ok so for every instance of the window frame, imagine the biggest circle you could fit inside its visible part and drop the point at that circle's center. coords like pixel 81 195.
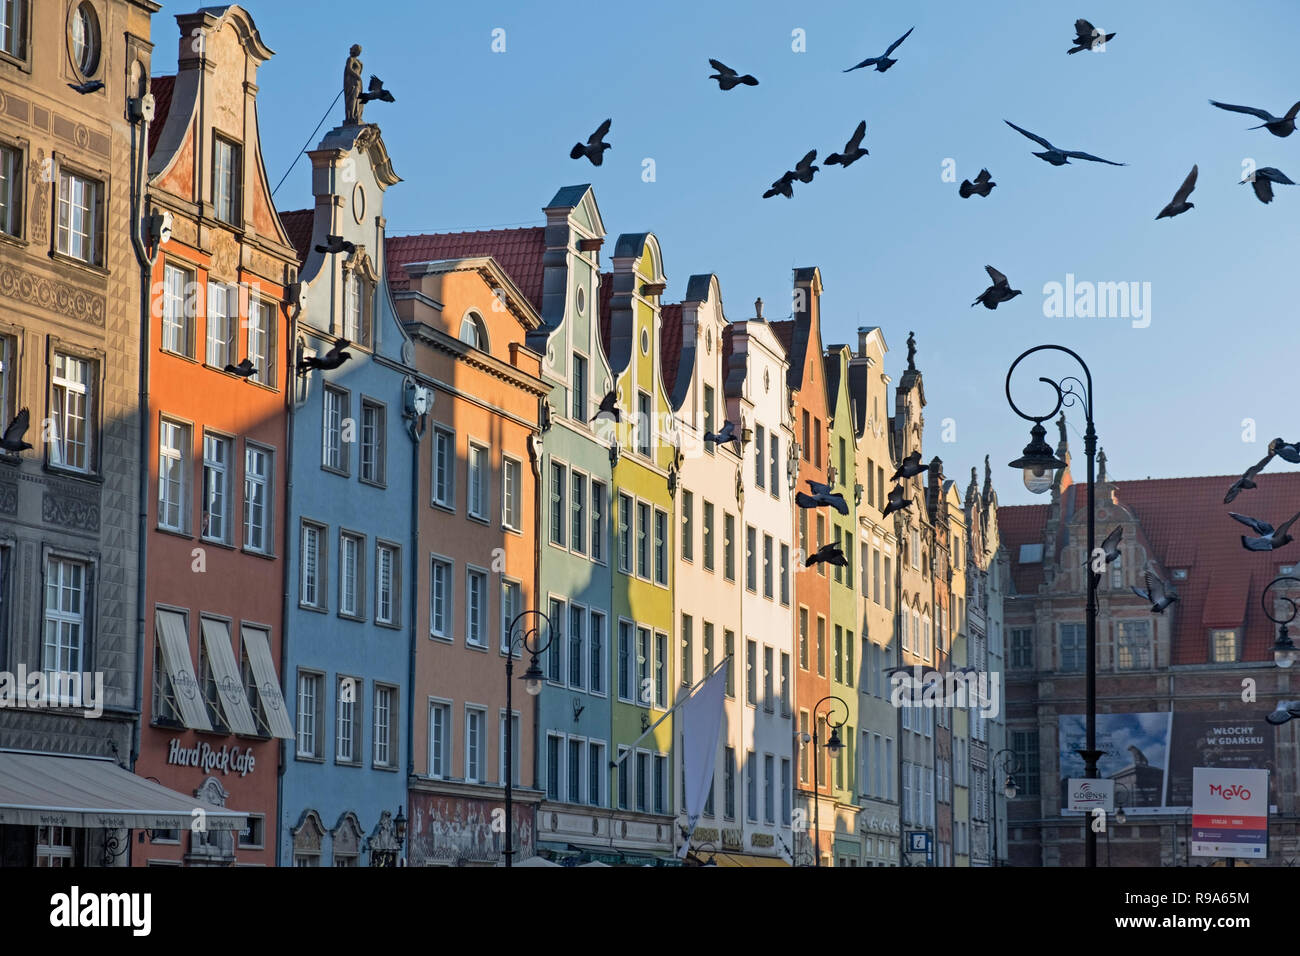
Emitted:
pixel 379 477
pixel 234 216
pixel 185 467
pixel 96 212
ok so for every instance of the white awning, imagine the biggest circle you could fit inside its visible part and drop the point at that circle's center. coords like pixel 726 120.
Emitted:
pixel 268 683
pixel 230 689
pixel 175 644
pixel 39 789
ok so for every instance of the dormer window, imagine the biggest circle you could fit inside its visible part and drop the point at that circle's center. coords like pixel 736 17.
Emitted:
pixel 359 282
pixel 227 166
pixel 473 331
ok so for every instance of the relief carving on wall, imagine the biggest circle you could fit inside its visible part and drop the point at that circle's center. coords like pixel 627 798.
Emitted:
pixel 51 295
pixel 8 498
pixel 39 171
pixel 70 512
pixel 225 256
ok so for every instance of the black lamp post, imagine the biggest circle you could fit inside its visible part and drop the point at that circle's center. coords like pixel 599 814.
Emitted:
pixel 1120 816
pixel 1005 762
pixel 526 635
pixel 1038 464
pixel 1284 650
pixel 833 746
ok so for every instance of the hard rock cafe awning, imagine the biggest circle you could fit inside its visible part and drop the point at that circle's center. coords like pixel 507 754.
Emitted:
pixel 38 789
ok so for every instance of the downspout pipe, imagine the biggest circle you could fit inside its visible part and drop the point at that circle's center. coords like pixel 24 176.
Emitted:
pixel 291 397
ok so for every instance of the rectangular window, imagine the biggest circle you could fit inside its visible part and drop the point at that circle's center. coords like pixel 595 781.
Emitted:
pixel 262 315
pixel 625 533
pixel 173 475
pixel 578 512
pixel 440 598
pixel 559 517
pixel 661 670
pixel 597 520
pixel 1132 645
pixel 803 747
pixel 708 536
pixel 66 600
pixel 475 745
pixel 688 626
pixel 875 575
pixel 554 745
pixel 11 163
pixel 644 424
pixel 729 546
pixel 81 218
pixel 259 468
pixel 346 749
pixel 513 749
pixel 751 558
pixel 475 608
pixel 309 715
pixel 624 661
pixel 216 489
pixel 768 546
pixel 439 740
pixel 769 788
pixel 596 653
pixel 729 783
pixel 1022 647
pixel 595 773
pixel 577 628
pixel 660 783
pixel 769 676
pixel 817 443
pixel 751 787
pixel 785 684
pixel 785 791
pixel 661 547
pixel 478 470
pixel 785 575
pixel 838 666
pixel 385 743
pixel 803 531
pixel 642 781
pixel 1225 646
pixel 227 173
pixel 555 654
pixel 729 649
pixel 708 647
pixel 388 579
pixel 1024 744
pixel 511 491
pixel 708 417
pixel 688 526
pixel 223 316
pixel 1074 647
pixel 177 313
pixel 351 601
pixel 576 764
pixel 444 468
pixel 760 467
pixel 642 540
pixel 372 442
pixel 578 388
pixel 751 675
pixel 334 411
pixel 848 658
pixel 624 770
pixel 889 591
pixel 821 646
pixel 803 638
pixel 774 466
pixel 806 440
pixel 512 602
pixel 313 566
pixel 73 408
pixel 843 472
pixel 356 293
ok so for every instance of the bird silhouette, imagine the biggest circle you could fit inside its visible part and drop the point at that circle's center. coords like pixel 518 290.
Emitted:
pixel 377 92
pixel 1088 37
pixel 804 169
pixel 1000 291
pixel 1110 546
pixel 982 185
pixel 1247 480
pixel 1179 204
pixel 1262 182
pixel 1277 125
pixel 244 369
pixel 829 554
pixel 821 497
pixel 910 466
pixel 90 86
pixel 1055 156
pixel 728 78
pixel 608 408
pixel 595 147
pixel 781 187
pixel 332 359
pixel 1270 538
pixel 853 150
pixel 1157 591
pixel 12 440
pixel 335 244
pixel 1287 451
pixel 723 435
pixel 882 63
pixel 896 501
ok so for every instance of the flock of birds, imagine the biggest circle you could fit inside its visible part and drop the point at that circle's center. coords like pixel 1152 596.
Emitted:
pixel 1267 537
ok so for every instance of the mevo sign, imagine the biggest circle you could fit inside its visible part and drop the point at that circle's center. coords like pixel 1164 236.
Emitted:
pixel 1229 812
pixel 1086 794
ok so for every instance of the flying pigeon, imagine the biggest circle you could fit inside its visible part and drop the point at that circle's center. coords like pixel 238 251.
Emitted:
pixel 723 435
pixel 1277 125
pixel 911 466
pixel 332 359
pixel 882 63
pixel 804 169
pixel 853 150
pixel 1270 538
pixel 1247 480
pixel 335 244
pixel 1110 546
pixel 1000 291
pixel 982 185
pixel 828 553
pixel 91 86
pixel 608 408
pixel 896 501
pixel 1058 157
pixel 1179 204
pixel 728 78
pixel 1088 37
pixel 595 147
pixel 1287 451
pixel 244 369
pixel 12 440
pixel 1262 181
pixel 822 495
pixel 377 91
pixel 1158 592
pixel 781 187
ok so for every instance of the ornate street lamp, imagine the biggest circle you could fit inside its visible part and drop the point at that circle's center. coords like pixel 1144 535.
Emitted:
pixel 1284 650
pixel 526 632
pixel 1007 763
pixel 833 746
pixel 1038 464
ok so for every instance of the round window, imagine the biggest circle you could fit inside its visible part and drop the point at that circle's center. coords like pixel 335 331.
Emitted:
pixel 582 300
pixel 358 203
pixel 645 341
pixel 83 33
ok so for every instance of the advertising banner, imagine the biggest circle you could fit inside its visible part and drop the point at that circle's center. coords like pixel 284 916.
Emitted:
pixel 1229 812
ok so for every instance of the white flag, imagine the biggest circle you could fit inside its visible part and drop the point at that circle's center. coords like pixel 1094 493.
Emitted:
pixel 700 720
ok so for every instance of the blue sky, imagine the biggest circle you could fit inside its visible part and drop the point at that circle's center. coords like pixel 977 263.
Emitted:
pixel 482 138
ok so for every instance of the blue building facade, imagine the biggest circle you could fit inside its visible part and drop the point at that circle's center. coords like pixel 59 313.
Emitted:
pixel 350 584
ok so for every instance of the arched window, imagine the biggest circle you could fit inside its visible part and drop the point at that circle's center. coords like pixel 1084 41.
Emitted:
pixel 473 331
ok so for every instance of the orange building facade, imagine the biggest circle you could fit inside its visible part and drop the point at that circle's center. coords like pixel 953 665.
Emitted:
pixel 212 704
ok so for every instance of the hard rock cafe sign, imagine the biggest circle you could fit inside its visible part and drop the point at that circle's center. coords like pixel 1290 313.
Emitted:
pixel 204 757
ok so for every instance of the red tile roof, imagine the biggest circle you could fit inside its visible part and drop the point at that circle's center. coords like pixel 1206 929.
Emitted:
pixel 298 224
pixel 785 332
pixel 518 251
pixel 603 317
pixel 161 87
pixel 1188 528
pixel 670 343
